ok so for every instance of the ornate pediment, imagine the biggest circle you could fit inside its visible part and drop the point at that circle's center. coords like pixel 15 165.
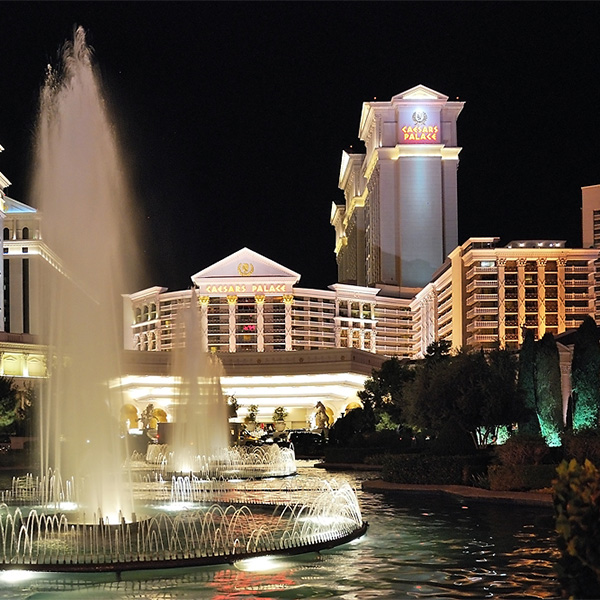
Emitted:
pixel 420 92
pixel 245 271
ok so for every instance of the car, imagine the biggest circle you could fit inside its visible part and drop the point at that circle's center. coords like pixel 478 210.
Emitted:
pixel 4 442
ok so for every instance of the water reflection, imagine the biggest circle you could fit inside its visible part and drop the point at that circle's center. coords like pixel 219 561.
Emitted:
pixel 416 547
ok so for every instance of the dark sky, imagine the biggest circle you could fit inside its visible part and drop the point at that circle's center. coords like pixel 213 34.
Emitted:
pixel 234 115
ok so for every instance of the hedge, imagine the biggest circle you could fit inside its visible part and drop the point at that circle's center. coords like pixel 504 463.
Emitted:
pixel 506 478
pixel 427 469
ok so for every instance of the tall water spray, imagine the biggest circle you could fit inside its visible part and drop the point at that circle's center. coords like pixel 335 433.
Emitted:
pixel 80 188
pixel 201 410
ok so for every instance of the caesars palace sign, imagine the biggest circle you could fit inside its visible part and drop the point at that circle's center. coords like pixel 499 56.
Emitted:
pixel 420 132
pixel 257 286
pixel 245 288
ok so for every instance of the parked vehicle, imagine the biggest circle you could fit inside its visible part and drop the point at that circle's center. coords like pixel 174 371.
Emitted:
pixel 4 442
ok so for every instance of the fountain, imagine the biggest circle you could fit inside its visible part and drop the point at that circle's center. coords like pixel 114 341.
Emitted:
pixel 201 410
pixel 82 193
pixel 79 513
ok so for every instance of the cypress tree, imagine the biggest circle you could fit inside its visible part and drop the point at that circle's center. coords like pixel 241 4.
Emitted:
pixel 585 375
pixel 528 418
pixel 548 389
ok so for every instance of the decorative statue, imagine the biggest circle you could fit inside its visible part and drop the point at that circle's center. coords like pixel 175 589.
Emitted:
pixel 321 416
pixel 147 416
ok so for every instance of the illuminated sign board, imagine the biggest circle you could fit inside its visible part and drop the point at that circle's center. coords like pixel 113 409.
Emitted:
pixel 420 131
pixel 261 287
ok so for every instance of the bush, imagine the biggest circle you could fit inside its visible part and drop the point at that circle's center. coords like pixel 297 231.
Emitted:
pixel 344 454
pixel 577 511
pixel 426 469
pixel 581 445
pixel 452 440
pixel 520 477
pixel 523 449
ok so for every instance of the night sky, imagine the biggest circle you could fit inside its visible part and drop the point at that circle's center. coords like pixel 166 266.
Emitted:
pixel 233 116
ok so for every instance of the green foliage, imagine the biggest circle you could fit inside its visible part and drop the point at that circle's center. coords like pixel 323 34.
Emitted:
pixel 523 449
pixel 346 428
pixel 252 413
pixel 452 440
pixel 548 389
pixel 438 351
pixel 385 422
pixel 576 497
pixel 424 469
pixel 9 397
pixel 279 414
pixel 384 390
pixel 585 375
pixel 233 402
pixel 505 478
pixel 478 390
pixel 526 389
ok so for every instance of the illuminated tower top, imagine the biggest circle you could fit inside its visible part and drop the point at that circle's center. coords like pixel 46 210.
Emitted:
pixel 399 221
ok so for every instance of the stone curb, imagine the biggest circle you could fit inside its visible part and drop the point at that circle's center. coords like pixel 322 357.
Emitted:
pixel 462 492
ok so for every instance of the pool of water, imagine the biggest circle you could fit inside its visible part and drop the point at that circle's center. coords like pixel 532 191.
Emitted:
pixel 416 547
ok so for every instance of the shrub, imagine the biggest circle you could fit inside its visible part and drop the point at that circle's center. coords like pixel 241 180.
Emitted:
pixel 523 449
pixel 577 510
pixel 452 440
pixel 583 444
pixel 344 454
pixel 426 469
pixel 520 477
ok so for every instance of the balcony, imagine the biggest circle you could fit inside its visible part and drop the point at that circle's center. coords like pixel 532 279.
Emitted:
pixel 445 328
pixel 482 325
pixel 482 298
pixel 569 269
pixel 482 283
pixel 480 270
pixel 481 311
pixel 482 338
pixel 579 310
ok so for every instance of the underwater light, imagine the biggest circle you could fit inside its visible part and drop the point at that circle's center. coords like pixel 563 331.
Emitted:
pixel 17 576
pixel 259 564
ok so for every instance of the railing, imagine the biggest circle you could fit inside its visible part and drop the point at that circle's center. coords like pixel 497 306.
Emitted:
pixel 579 309
pixel 483 338
pixel 482 283
pixel 477 270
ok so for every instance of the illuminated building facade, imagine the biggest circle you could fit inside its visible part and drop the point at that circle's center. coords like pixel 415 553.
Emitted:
pixel 23 252
pixel 399 220
pixel 590 226
pixel 484 294
pixel 304 345
pixel 403 282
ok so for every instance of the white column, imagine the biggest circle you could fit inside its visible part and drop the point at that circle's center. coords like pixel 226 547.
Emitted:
pixel 288 300
pixel 521 262
pixel 232 300
pixel 561 264
pixel 204 300
pixel 350 325
pixel 541 296
pixel 501 264
pixel 260 323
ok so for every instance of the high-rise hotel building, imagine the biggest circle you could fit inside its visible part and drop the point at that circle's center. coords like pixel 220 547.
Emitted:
pixel 399 220
pixel 484 294
pixel 403 282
